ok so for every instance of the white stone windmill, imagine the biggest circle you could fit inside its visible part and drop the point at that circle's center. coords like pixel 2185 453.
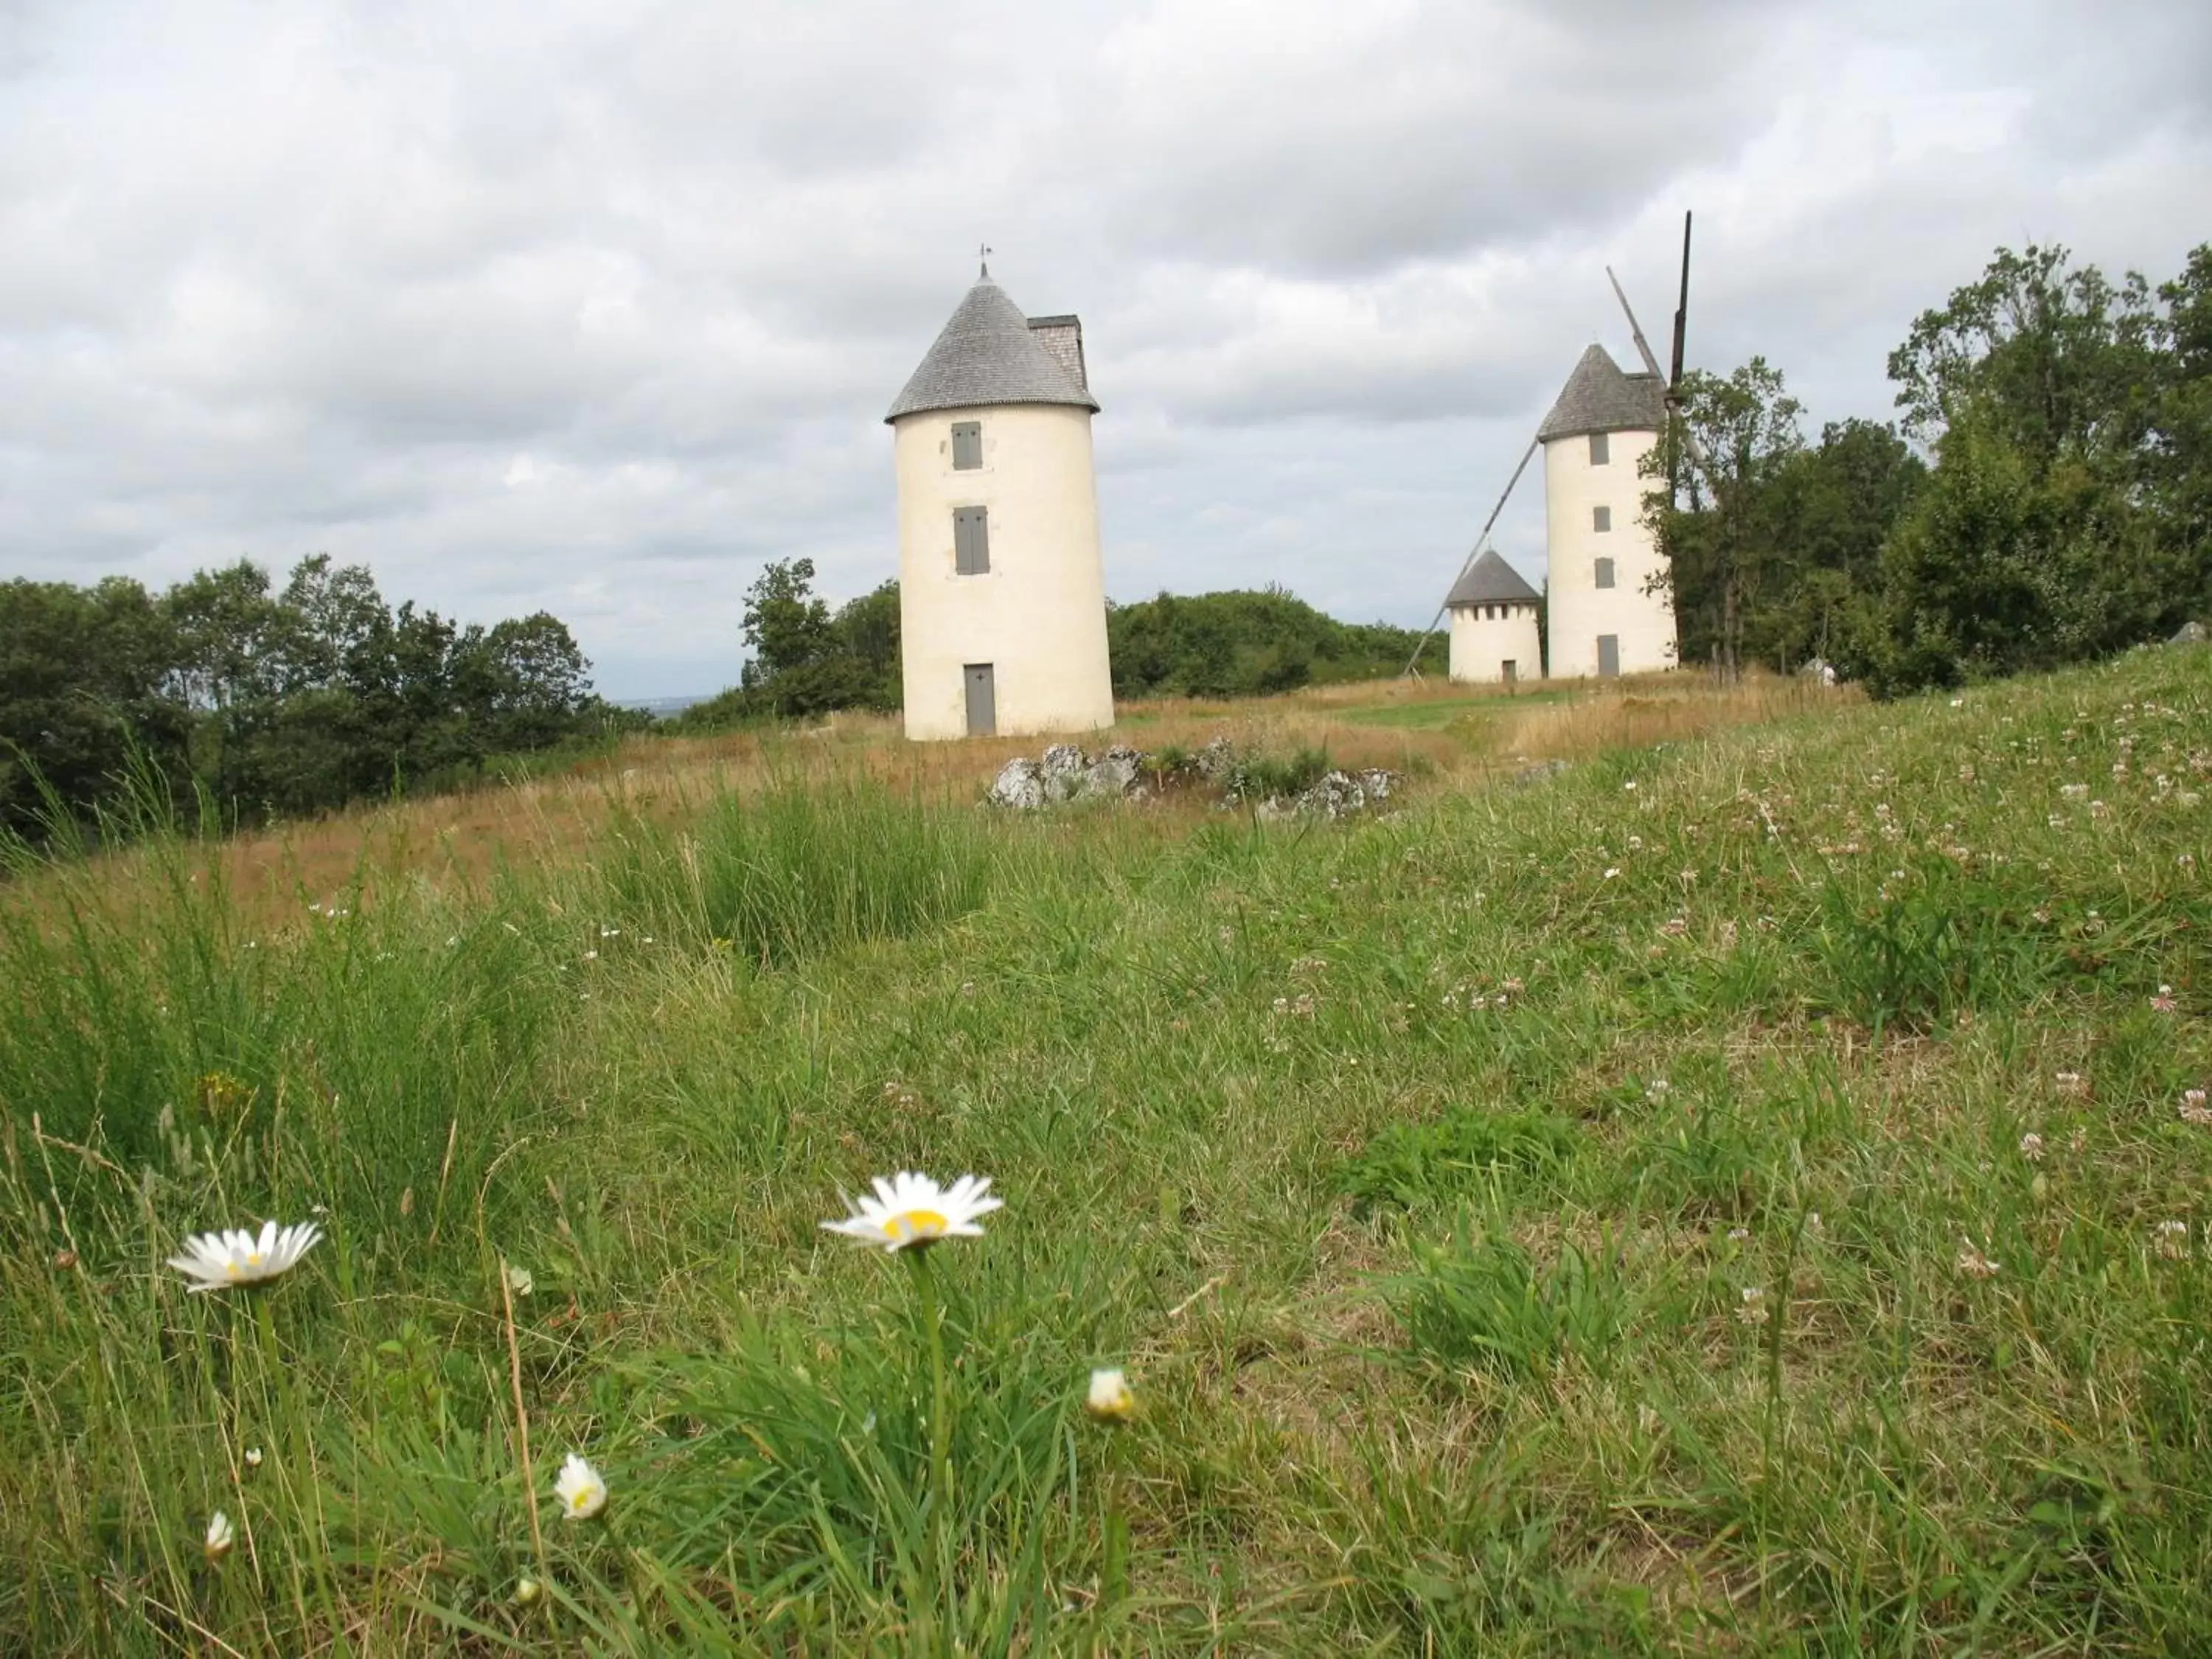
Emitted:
pixel 1002 595
pixel 1607 617
pixel 1493 625
pixel 1610 611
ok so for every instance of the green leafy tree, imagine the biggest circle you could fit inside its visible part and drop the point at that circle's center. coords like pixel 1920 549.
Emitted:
pixel 787 627
pixel 85 676
pixel 1730 540
pixel 2057 526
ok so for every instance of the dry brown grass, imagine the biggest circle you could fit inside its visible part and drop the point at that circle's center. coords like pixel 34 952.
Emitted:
pixel 453 842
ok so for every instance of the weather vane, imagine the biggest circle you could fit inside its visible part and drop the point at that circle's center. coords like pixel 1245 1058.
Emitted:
pixel 983 254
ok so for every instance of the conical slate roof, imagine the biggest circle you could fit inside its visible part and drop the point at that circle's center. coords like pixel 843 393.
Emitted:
pixel 1599 398
pixel 988 354
pixel 1491 581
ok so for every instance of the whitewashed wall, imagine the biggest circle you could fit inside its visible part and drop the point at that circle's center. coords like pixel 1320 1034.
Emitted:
pixel 1038 615
pixel 1482 645
pixel 1580 610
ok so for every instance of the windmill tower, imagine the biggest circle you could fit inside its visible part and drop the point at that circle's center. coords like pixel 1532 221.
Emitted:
pixel 1493 625
pixel 1002 596
pixel 1609 613
pixel 1600 556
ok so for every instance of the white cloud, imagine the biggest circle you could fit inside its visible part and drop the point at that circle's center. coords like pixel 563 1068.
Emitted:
pixel 541 306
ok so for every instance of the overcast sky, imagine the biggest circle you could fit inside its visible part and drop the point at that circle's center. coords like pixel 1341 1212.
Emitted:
pixel 595 309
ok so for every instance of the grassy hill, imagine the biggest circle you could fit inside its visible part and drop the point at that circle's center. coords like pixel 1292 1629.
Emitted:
pixel 1740 1195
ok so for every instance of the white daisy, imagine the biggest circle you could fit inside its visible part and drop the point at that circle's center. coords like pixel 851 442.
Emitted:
pixel 219 1536
pixel 583 1494
pixel 237 1257
pixel 912 1209
pixel 1110 1399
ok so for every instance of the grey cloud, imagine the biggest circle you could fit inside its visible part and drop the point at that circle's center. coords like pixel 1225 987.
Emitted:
pixel 551 305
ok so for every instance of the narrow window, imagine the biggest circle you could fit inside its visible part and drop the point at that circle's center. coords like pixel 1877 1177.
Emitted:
pixel 966 445
pixel 1605 573
pixel 1600 448
pixel 1602 518
pixel 971 540
pixel 1608 655
pixel 1509 670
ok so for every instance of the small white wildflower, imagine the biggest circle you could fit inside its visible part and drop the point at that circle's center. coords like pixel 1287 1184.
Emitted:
pixel 2031 1147
pixel 220 1536
pixel 519 1280
pixel 1975 1264
pixel 1753 1311
pixel 583 1494
pixel 1738 1234
pixel 2194 1109
pixel 214 1261
pixel 2171 1239
pixel 1611 872
pixel 1110 1399
pixel 253 1457
pixel 912 1210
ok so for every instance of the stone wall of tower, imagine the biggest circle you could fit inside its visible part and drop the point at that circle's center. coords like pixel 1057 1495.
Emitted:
pixel 1485 637
pixel 1038 615
pixel 1580 611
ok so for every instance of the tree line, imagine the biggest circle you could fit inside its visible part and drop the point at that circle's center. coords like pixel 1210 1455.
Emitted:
pixel 808 659
pixel 263 701
pixel 2046 496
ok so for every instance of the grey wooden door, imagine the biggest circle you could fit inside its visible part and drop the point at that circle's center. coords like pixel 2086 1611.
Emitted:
pixel 983 701
pixel 1608 655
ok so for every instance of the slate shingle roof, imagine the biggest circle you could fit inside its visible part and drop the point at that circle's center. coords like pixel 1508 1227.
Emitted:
pixel 1599 398
pixel 1063 337
pixel 989 354
pixel 1491 581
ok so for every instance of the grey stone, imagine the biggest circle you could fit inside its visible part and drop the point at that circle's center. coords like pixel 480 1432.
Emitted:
pixel 1116 771
pixel 1020 785
pixel 2192 632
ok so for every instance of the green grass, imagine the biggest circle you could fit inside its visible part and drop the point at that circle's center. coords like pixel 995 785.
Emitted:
pixel 1415 1170
pixel 1469 716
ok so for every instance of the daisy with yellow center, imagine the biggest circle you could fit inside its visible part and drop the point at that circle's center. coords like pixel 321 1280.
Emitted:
pixel 582 1493
pixel 912 1211
pixel 1110 1399
pixel 216 1261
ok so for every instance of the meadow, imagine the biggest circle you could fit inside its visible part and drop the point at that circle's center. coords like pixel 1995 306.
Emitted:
pixel 1745 1192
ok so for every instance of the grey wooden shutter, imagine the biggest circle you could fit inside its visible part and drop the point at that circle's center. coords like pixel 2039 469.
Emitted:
pixel 1600 448
pixel 966 445
pixel 971 540
pixel 1602 518
pixel 1605 573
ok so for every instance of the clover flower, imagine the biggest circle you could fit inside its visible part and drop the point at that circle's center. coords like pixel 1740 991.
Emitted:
pixel 220 1537
pixel 2193 1106
pixel 214 1261
pixel 582 1493
pixel 1753 1311
pixel 1110 1399
pixel 1974 1264
pixel 2031 1147
pixel 911 1209
pixel 2172 1238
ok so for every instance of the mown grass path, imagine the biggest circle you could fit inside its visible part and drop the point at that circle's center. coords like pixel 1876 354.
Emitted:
pixel 1744 1196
